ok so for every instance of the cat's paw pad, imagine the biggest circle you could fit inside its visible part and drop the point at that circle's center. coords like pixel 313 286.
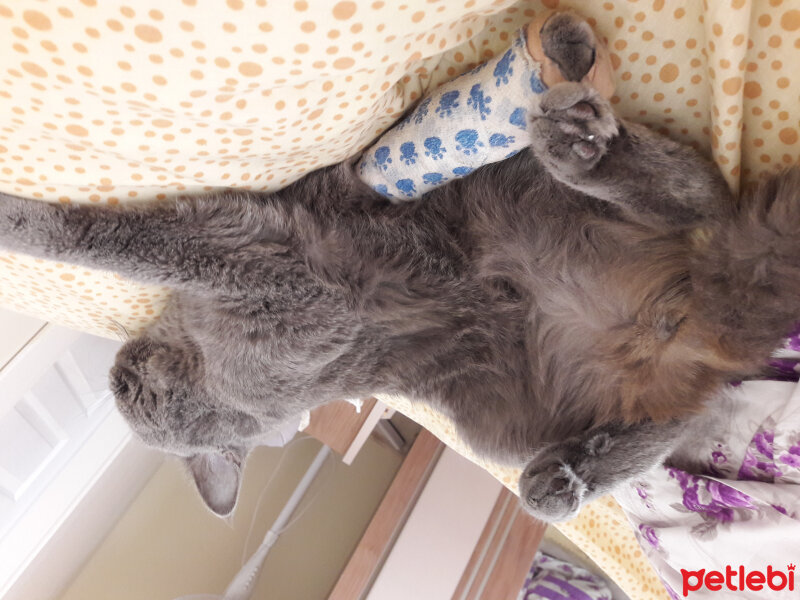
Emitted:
pixel 568 40
pixel 579 106
pixel 551 492
pixel 573 127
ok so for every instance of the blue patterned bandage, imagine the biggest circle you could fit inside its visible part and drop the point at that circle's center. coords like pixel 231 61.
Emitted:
pixel 478 118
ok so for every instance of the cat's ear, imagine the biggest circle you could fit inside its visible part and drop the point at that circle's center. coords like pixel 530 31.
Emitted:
pixel 217 476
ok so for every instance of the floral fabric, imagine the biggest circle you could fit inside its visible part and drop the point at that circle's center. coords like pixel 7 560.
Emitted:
pixel 731 499
pixel 554 579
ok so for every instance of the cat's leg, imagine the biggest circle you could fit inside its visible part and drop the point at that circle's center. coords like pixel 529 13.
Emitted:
pixel 563 476
pixel 582 143
pixel 481 117
pixel 196 243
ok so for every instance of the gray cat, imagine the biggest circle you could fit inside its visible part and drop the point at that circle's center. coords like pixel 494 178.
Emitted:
pixel 566 307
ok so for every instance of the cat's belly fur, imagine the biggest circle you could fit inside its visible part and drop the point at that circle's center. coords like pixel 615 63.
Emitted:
pixel 507 316
pixel 568 317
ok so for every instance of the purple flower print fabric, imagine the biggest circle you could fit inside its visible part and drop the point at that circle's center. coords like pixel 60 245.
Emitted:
pixel 731 499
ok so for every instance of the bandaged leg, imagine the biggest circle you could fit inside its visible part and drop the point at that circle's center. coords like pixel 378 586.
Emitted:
pixel 483 116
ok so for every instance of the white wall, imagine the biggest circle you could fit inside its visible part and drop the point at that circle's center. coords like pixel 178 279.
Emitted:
pixel 167 545
pixel 16 330
pixel 435 545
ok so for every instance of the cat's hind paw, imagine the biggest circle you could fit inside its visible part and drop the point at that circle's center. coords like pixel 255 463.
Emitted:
pixel 562 477
pixel 573 128
pixel 552 492
pixel 568 41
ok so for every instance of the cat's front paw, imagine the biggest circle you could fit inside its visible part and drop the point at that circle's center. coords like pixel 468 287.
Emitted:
pixel 572 129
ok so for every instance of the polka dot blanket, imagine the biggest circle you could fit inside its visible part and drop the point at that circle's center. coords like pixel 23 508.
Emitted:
pixel 122 101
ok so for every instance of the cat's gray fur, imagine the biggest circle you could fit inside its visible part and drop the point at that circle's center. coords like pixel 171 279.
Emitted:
pixel 551 305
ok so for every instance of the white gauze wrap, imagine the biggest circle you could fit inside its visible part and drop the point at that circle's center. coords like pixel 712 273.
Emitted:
pixel 478 118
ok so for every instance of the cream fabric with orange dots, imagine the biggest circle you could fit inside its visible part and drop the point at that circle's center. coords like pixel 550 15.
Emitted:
pixel 112 101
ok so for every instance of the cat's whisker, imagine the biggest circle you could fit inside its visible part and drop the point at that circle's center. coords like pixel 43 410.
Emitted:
pixel 123 335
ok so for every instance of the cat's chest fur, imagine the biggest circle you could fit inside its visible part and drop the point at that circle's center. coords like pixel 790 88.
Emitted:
pixel 516 311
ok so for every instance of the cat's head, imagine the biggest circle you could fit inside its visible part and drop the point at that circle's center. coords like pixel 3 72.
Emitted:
pixel 159 389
